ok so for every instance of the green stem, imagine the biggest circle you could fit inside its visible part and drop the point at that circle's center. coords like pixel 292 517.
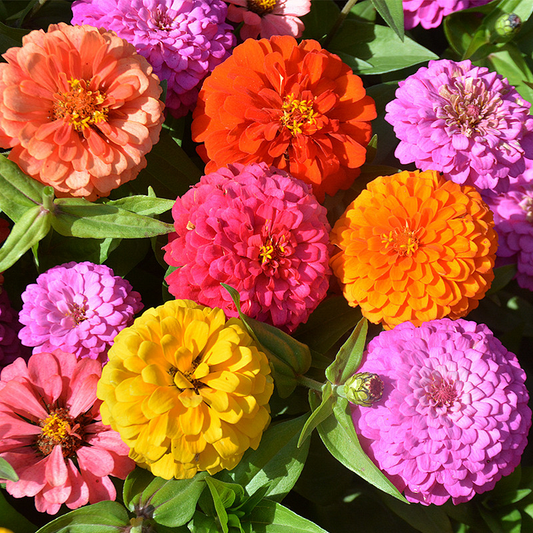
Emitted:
pixel 338 23
pixel 48 199
pixel 309 383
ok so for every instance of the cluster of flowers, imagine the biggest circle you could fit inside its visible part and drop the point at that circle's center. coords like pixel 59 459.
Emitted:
pixel 281 124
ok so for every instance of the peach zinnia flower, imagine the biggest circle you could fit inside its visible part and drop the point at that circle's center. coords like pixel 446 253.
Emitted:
pixel 296 107
pixel 415 247
pixel 79 108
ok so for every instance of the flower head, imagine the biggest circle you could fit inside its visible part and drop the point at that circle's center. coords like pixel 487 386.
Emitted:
pixel 453 418
pixel 187 390
pixel 78 307
pixel 183 40
pixel 415 246
pixel 294 106
pixel 10 346
pixel 52 435
pixel 259 230
pixel 268 17
pixel 464 121
pixel 79 108
pixel 429 13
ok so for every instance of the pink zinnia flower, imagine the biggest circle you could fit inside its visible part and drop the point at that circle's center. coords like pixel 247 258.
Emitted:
pixel 453 418
pixel 268 17
pixel 429 13
pixel 464 121
pixel 184 40
pixel 259 230
pixel 51 433
pixel 78 307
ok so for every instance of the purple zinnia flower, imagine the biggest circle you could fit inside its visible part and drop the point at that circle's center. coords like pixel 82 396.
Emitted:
pixel 10 346
pixel 464 121
pixel 513 221
pixel 184 40
pixel 78 307
pixel 259 230
pixel 429 13
pixel 453 418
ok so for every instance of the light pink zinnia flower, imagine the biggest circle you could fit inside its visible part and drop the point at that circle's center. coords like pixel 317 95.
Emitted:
pixel 78 307
pixel 453 418
pixel 51 433
pixel 259 230
pixel 268 17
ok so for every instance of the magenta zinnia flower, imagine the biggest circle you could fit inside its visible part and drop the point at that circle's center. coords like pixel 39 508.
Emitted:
pixel 51 433
pixel 464 121
pixel 268 17
pixel 429 13
pixel 78 307
pixel 259 230
pixel 184 40
pixel 10 346
pixel 453 418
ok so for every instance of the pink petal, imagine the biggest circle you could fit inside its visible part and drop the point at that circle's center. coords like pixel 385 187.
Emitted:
pixel 96 460
pixel 79 494
pixel 56 469
pixel 45 373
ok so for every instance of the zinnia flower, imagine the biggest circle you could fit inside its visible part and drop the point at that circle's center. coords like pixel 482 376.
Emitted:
pixel 51 433
pixel 268 17
pixel 187 390
pixel 453 418
pixel 513 218
pixel 80 109
pixel 464 121
pixel 182 39
pixel 78 307
pixel 294 106
pixel 415 246
pixel 259 230
pixel 10 346
pixel 429 13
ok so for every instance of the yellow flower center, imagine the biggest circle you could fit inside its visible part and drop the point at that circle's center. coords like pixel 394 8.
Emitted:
pixel 82 108
pixel 58 428
pixel 297 113
pixel 402 240
pixel 274 249
pixel 261 7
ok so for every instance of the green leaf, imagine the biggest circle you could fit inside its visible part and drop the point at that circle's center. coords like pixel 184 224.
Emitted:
pixel 272 517
pixel 172 502
pixel 143 205
pixel 80 218
pixel 18 192
pixel 502 276
pixel 277 462
pixel 349 356
pixel 392 13
pixel 102 517
pixel 31 227
pixel 10 37
pixel 201 523
pixel 339 436
pixel 320 414
pixel 320 19
pixel 224 496
pixel 375 49
pixel 11 519
pixel 7 471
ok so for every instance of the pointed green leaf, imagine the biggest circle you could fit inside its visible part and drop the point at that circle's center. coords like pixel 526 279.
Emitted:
pixel 31 227
pixel 11 519
pixel 320 19
pixel 201 523
pixel 225 496
pixel 320 414
pixel 143 205
pixel 502 276
pixel 392 13
pixel 7 471
pixel 339 436
pixel 10 37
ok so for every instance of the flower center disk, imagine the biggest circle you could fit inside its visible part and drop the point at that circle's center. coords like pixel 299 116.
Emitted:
pixel 59 429
pixel 441 392
pixel 261 7
pixel 296 114
pixel 402 240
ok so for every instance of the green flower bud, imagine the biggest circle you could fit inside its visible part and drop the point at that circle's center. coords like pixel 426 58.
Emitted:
pixel 363 388
pixel 508 25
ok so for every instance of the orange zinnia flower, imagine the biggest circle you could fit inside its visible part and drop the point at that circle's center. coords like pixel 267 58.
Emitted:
pixel 79 108
pixel 296 107
pixel 415 247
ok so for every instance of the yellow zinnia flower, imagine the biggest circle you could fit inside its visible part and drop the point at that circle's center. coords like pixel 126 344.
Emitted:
pixel 187 390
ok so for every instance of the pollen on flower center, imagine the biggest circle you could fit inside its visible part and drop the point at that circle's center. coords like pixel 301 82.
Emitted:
pixel 527 205
pixel 82 108
pixel 261 7
pixel 77 313
pixel 274 249
pixel 441 392
pixel 297 113
pixel 59 428
pixel 402 240
pixel 162 19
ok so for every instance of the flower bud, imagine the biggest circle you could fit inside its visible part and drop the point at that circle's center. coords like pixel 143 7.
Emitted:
pixel 363 389
pixel 508 25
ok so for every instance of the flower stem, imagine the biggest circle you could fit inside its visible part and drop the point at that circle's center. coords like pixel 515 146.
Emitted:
pixel 338 23
pixel 309 383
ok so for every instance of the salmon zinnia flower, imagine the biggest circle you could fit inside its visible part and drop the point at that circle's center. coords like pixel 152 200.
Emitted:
pixel 79 108
pixel 187 390
pixel 296 107
pixel 415 247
